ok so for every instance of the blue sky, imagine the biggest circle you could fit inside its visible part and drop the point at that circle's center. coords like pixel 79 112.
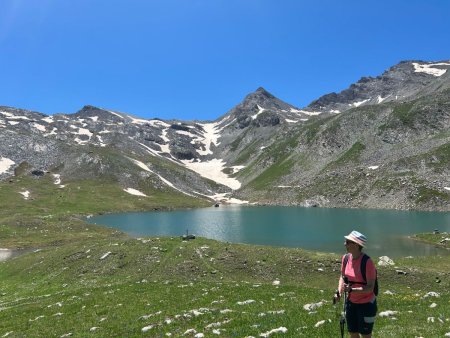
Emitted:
pixel 196 59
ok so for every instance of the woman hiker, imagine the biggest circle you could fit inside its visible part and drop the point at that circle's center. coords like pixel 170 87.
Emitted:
pixel 361 301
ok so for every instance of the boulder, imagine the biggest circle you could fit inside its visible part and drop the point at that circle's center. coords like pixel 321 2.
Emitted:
pixel 385 261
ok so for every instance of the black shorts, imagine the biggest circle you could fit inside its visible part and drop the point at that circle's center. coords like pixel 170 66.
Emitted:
pixel 361 317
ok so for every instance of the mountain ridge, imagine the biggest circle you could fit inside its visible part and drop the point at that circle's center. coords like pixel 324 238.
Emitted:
pixel 340 150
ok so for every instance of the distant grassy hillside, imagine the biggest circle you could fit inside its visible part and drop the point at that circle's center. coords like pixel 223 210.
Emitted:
pixel 46 214
pixel 82 280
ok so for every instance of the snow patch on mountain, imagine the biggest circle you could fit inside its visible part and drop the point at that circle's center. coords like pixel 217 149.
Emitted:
pixel 5 164
pixel 140 164
pixel 237 168
pixel 100 141
pixel 213 170
pixel 229 200
pixel 211 134
pixel 53 132
pixel 309 113
pixel 81 131
pixel 114 113
pixel 13 117
pixel 357 104
pixel 430 68
pixel 158 123
pixel 381 99
pixel 57 180
pixel 48 119
pixel 146 168
pixel 39 127
pixel 134 192
pixel 259 112
pixel 25 194
pixel 138 121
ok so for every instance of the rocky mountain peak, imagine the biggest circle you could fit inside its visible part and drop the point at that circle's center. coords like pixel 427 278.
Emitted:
pixel 259 97
pixel 89 111
pixel 402 81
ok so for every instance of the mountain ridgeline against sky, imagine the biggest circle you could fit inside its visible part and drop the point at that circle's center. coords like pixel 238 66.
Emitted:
pixel 384 142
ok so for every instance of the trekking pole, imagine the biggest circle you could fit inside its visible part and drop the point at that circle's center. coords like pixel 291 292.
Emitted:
pixel 342 321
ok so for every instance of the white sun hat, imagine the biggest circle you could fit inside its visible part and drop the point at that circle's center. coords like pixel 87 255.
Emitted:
pixel 357 237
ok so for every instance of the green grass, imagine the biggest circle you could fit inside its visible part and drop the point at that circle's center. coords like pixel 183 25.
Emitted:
pixel 271 174
pixel 87 280
pixel 425 195
pixel 351 156
pixel 176 286
pixel 247 153
pixel 279 155
pixel 437 158
pixel 311 129
pixel 46 217
pixel 405 113
pixel 438 238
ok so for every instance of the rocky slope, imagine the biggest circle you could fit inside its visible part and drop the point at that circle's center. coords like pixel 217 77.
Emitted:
pixel 382 143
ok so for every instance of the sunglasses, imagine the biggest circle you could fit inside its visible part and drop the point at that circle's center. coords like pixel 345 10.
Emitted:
pixel 349 242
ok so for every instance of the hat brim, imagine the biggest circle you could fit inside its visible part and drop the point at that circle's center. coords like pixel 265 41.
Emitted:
pixel 355 240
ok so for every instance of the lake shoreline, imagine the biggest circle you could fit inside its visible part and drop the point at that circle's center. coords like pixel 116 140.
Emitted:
pixel 317 229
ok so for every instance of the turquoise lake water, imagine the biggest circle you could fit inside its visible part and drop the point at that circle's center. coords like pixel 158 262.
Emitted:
pixel 309 228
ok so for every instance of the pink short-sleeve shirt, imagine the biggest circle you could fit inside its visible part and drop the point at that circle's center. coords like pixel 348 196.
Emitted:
pixel 353 273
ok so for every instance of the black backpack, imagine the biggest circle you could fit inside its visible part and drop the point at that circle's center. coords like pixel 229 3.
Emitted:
pixel 363 271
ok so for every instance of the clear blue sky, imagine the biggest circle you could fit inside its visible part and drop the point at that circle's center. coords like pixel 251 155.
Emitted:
pixel 196 59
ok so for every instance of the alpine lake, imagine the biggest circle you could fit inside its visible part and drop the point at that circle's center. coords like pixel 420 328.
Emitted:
pixel 388 232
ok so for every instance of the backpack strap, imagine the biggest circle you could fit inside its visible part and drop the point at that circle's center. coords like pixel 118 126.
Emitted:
pixel 345 263
pixel 364 260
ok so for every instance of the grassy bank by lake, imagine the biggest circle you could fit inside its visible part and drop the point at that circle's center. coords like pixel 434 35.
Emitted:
pixel 82 280
pixel 151 287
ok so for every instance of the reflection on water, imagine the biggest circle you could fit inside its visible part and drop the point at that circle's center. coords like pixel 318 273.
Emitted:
pixel 310 228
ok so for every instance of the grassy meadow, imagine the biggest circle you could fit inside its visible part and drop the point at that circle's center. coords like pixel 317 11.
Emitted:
pixel 81 280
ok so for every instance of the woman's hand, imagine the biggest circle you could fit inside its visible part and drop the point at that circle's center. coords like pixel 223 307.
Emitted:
pixel 347 288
